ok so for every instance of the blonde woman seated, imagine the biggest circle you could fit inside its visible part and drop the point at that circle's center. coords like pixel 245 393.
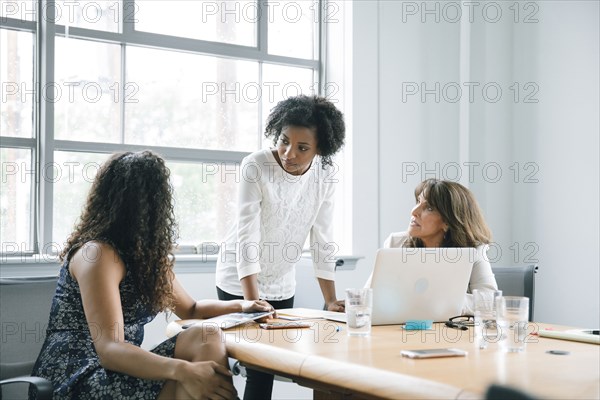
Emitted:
pixel 447 215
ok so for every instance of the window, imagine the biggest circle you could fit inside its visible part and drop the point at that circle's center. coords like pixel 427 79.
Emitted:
pixel 191 80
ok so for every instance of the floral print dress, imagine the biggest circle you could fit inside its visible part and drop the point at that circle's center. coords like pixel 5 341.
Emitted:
pixel 68 357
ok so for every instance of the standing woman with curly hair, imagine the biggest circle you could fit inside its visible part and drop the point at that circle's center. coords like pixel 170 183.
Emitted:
pixel 117 274
pixel 285 194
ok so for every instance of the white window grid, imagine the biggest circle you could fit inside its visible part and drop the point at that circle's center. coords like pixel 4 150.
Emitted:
pixel 43 144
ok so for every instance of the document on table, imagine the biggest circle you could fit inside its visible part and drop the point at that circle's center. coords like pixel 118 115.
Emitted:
pixel 577 335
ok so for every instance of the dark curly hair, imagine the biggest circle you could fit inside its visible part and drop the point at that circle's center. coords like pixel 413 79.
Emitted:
pixel 458 209
pixel 310 112
pixel 130 207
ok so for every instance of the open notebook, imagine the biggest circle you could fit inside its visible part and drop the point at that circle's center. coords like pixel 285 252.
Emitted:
pixel 228 321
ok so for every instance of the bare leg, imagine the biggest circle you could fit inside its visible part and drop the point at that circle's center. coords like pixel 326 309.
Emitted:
pixel 197 343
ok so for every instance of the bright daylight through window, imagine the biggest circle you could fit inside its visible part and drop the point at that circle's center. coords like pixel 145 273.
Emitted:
pixel 191 80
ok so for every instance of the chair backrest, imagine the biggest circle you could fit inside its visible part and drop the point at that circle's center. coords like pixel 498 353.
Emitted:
pixel 517 281
pixel 24 311
pixel 499 392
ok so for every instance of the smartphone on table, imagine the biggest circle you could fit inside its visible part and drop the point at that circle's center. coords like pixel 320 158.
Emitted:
pixel 432 353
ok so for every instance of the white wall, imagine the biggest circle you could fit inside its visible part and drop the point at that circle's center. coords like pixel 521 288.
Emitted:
pixel 554 221
pixel 551 218
pixel 566 131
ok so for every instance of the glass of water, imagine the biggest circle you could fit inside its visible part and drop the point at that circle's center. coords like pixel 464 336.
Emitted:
pixel 512 320
pixel 484 305
pixel 359 304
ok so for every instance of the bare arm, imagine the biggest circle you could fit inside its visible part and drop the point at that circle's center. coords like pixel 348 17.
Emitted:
pixel 250 287
pixel 328 290
pixel 187 308
pixel 98 280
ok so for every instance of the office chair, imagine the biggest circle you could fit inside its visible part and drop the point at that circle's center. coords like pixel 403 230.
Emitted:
pixel 517 281
pixel 25 308
pixel 499 392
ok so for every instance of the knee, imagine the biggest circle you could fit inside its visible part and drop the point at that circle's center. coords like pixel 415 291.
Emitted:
pixel 205 334
pixel 200 339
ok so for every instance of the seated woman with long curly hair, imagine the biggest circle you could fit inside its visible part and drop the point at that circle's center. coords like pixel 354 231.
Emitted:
pixel 117 274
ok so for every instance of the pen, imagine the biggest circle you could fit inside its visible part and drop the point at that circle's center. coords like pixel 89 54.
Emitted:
pixel 592 332
pixel 456 326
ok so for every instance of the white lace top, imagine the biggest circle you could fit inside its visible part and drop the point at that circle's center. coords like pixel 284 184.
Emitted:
pixel 276 212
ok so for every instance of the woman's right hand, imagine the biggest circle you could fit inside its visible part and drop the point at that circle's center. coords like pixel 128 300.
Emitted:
pixel 257 306
pixel 207 380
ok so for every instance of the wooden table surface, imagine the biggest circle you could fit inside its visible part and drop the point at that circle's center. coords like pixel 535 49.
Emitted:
pixel 326 358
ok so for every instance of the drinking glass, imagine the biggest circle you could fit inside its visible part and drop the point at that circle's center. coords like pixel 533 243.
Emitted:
pixel 512 321
pixel 484 306
pixel 359 305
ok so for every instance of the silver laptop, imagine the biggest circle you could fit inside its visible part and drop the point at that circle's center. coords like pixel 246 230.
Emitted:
pixel 422 284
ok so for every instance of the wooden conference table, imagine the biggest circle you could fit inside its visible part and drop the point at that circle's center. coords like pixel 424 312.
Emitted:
pixel 335 365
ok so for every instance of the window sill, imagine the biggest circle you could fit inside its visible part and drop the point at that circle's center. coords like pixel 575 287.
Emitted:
pixel 12 267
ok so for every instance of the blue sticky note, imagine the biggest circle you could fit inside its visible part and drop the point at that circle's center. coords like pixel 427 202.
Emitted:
pixel 418 324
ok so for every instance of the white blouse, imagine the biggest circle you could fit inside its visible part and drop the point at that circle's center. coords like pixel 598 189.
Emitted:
pixel 276 212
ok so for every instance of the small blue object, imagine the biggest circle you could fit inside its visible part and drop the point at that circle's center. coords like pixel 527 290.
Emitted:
pixel 418 324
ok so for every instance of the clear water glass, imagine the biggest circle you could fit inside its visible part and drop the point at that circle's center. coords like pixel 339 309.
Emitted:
pixel 484 306
pixel 359 306
pixel 512 320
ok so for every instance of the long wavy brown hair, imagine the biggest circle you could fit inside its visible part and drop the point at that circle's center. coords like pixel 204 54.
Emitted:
pixel 459 210
pixel 130 207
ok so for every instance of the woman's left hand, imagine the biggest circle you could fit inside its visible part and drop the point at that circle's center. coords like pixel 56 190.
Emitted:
pixel 257 306
pixel 337 305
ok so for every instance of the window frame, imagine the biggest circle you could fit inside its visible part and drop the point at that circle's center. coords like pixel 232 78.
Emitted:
pixel 43 145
